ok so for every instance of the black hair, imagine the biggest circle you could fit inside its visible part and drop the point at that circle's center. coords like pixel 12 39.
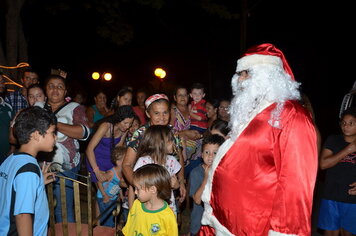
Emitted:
pixel 349 111
pixel 98 91
pixel 120 114
pixel 197 86
pixel 35 86
pixel 220 125
pixel 122 92
pixel 55 77
pixel 177 88
pixel 29 70
pixel 212 139
pixel 30 120
pixel 214 102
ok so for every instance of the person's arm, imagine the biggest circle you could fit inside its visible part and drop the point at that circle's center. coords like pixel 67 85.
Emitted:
pixel 73 131
pixel 199 192
pixel 24 224
pixel 99 134
pixel 128 164
pixel 106 198
pixel 174 182
pixel 122 140
pixel 352 190
pixel 296 163
pixel 79 129
pixel 329 159
pixel 190 134
pixel 195 115
pixel 173 116
pixel 90 115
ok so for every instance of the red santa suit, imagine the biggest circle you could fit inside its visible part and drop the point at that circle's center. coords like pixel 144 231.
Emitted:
pixel 262 183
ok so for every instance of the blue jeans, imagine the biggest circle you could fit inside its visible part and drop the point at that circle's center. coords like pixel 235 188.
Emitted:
pixel 69 195
pixel 107 219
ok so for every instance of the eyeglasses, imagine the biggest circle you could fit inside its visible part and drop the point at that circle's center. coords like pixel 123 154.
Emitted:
pixel 224 108
pixel 351 124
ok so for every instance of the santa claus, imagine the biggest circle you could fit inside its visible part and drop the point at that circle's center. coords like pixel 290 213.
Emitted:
pixel 262 179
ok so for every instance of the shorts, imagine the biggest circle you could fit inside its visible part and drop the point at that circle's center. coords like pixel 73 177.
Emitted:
pixel 334 215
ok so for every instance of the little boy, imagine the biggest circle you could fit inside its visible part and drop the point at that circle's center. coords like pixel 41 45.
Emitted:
pixel 23 201
pixel 197 110
pixel 109 191
pixel 198 178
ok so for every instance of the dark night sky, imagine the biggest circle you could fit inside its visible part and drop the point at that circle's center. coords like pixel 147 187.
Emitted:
pixel 192 46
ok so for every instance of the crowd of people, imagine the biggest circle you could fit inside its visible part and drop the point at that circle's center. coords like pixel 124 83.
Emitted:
pixel 242 166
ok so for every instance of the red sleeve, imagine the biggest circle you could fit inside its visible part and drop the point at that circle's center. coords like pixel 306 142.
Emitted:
pixel 296 161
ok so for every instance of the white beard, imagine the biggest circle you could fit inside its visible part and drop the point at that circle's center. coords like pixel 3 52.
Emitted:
pixel 267 84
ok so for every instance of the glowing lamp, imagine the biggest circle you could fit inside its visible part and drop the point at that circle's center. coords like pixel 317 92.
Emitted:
pixel 107 76
pixel 95 76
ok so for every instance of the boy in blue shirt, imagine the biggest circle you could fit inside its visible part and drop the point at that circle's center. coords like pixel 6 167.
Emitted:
pixel 23 204
pixel 198 178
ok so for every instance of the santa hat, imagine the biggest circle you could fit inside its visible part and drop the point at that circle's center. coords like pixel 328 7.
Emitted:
pixel 263 54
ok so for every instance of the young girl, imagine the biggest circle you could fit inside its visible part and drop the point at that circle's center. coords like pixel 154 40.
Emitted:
pixel 108 191
pixel 155 146
pixel 150 214
pixel 35 95
pixel 337 213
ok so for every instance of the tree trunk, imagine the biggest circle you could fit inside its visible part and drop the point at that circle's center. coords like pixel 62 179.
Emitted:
pixel 13 24
pixel 22 52
pixel 2 55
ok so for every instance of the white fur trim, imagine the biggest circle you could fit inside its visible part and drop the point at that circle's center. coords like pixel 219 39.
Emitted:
pixel 208 217
pixel 247 62
pixel 275 233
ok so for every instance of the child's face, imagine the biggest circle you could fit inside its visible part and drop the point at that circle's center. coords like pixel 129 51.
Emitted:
pixel 197 95
pixel 35 95
pixel 209 152
pixel 348 125
pixel 48 140
pixel 143 194
pixel 135 125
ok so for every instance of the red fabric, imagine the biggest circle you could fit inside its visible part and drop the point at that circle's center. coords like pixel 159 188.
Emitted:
pixel 141 114
pixel 266 179
pixel 271 50
pixel 201 112
pixel 205 231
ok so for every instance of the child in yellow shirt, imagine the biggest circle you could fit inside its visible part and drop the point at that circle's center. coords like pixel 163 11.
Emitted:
pixel 150 213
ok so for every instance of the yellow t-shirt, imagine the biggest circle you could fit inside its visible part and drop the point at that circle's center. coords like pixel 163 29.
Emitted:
pixel 143 222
